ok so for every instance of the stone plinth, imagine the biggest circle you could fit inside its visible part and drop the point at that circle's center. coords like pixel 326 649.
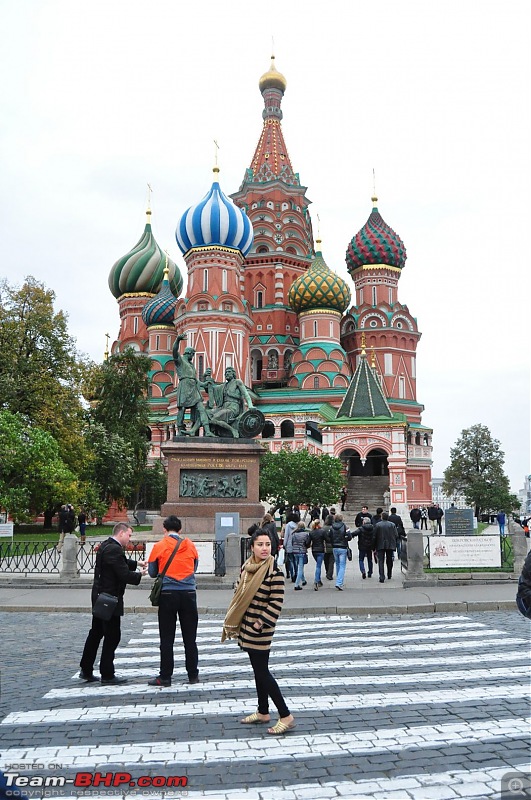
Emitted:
pixel 208 475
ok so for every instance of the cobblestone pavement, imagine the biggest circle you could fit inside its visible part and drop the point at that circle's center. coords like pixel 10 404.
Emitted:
pixel 418 707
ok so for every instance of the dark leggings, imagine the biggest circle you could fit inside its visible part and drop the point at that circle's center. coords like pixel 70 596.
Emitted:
pixel 266 685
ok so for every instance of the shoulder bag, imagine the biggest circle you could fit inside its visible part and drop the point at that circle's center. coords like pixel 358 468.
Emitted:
pixel 105 603
pixel 156 589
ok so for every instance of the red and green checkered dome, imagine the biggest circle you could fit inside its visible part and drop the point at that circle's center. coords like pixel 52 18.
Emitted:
pixel 319 288
pixel 375 243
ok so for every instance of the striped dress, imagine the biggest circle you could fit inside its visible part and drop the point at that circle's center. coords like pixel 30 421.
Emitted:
pixel 265 607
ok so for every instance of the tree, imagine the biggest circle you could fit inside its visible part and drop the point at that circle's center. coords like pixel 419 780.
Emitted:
pixel 111 466
pixel 40 369
pixel 298 476
pixel 117 392
pixel 476 472
pixel 32 473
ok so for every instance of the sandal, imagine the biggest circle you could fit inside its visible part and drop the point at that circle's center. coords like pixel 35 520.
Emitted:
pixel 253 719
pixel 280 728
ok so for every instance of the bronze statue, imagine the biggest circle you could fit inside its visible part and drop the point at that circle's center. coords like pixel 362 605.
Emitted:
pixel 188 394
pixel 230 398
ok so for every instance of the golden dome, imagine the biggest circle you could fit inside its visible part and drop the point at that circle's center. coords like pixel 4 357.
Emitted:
pixel 272 79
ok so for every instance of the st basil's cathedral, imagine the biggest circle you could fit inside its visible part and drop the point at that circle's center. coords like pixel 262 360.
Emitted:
pixel 331 366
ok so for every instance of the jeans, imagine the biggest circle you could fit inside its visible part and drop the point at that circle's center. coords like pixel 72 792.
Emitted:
pixel 109 631
pixel 365 554
pixel 385 557
pixel 291 566
pixel 501 526
pixel 175 603
pixel 266 685
pixel 340 560
pixel 299 562
pixel 319 558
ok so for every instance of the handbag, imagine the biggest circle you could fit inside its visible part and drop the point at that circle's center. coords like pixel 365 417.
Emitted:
pixel 104 606
pixel 349 553
pixel 281 558
pixel 156 589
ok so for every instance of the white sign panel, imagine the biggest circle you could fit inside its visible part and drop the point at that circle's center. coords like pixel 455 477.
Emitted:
pixel 465 551
pixel 6 530
pixel 205 551
pixel 226 522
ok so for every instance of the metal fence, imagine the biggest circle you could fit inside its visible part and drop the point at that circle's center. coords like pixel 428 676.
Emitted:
pixel 19 557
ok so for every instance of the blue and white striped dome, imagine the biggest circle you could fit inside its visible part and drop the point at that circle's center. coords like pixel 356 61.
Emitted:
pixel 215 220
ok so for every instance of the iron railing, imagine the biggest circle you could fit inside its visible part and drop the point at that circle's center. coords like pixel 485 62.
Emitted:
pixel 19 557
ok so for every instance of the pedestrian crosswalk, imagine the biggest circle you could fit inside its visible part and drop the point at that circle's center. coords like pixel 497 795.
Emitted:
pixel 417 707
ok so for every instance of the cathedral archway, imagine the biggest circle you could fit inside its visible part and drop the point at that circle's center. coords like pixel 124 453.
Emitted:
pixel 376 463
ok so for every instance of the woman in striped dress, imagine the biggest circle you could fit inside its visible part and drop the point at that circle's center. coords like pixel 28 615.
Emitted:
pixel 251 619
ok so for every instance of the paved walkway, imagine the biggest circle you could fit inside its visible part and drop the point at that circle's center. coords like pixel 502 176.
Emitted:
pixel 358 597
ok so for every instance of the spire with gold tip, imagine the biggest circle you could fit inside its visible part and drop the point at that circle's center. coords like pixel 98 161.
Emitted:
pixel 319 287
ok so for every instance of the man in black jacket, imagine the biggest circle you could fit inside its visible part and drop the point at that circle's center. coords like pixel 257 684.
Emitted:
pixel 385 534
pixel 397 520
pixel 112 572
pixel 365 534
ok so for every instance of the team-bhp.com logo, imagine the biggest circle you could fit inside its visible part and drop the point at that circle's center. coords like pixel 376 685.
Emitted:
pixel 17 784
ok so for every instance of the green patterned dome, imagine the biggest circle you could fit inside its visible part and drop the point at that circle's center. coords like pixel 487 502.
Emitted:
pixel 141 270
pixel 319 288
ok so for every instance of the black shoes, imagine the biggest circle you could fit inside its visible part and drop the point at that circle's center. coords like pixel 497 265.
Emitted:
pixel 160 682
pixel 194 680
pixel 319 583
pixel 297 588
pixel 304 583
pixel 114 681
pixel 339 588
pixel 363 575
pixel 381 580
pixel 88 678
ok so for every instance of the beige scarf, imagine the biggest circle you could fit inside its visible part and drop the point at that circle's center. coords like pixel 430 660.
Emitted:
pixel 253 575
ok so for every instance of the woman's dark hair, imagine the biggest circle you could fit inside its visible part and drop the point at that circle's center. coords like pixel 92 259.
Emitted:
pixel 291 517
pixel 329 520
pixel 256 534
pixel 252 529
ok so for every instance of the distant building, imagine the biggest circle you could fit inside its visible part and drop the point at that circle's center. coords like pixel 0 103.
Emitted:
pixel 444 500
pixel 329 374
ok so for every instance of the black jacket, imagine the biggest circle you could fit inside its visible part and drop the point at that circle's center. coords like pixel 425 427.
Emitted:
pixel 524 583
pixel 112 572
pixel 338 536
pixel 317 540
pixel 359 518
pixel 432 513
pixel 397 520
pixel 415 515
pixel 385 534
pixel 365 536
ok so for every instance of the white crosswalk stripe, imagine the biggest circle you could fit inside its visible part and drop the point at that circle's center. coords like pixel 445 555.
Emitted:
pixel 381 705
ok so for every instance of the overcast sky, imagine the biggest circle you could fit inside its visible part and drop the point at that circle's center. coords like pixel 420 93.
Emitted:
pixel 99 98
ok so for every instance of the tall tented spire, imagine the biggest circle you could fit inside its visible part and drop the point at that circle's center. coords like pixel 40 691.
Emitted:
pixel 364 397
pixel 271 159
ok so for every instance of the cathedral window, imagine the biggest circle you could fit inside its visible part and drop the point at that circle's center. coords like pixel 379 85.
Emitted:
pixel 402 388
pixel 223 280
pixel 413 367
pixel 268 431
pixel 315 329
pixel 374 295
pixel 316 382
pixel 390 296
pixel 373 323
pixel 287 429
pixel 157 342
pixel 388 363
pixel 259 299
pixel 262 249
pixel 205 280
pixel 135 324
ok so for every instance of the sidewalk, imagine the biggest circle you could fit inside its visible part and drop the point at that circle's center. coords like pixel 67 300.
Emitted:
pixel 358 597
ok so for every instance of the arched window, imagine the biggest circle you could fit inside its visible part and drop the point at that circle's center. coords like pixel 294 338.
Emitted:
pixel 262 249
pixel 135 324
pixel 417 438
pixel 287 429
pixel 268 431
pixel 223 280
pixel 205 280
pixel 316 381
pixel 259 299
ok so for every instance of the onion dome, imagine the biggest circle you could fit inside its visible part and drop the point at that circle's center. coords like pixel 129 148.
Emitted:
pixel 141 270
pixel 160 310
pixel 215 220
pixel 376 243
pixel 272 79
pixel 319 288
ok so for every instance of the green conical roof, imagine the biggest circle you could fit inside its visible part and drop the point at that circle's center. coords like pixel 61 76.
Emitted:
pixel 364 397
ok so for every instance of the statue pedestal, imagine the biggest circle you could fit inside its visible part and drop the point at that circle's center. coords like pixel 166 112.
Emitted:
pixel 208 475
